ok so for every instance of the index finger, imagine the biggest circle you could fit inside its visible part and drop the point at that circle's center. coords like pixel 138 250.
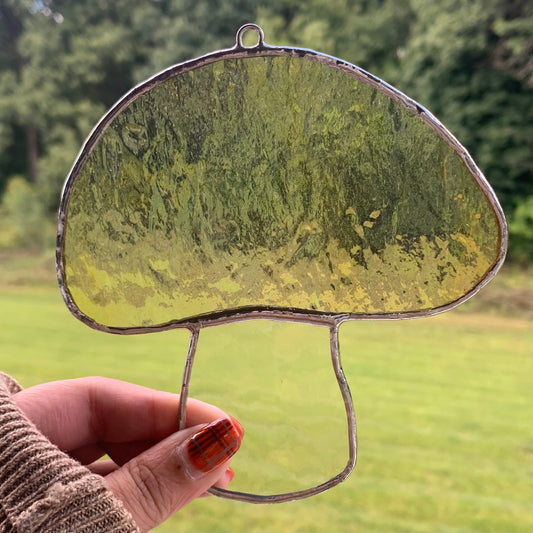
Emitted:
pixel 84 411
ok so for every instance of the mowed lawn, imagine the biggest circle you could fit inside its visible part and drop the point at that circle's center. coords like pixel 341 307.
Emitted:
pixel 443 406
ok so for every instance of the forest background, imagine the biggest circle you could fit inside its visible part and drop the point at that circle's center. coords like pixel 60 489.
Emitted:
pixel 63 63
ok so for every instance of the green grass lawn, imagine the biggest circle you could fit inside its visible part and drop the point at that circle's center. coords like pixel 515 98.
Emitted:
pixel 443 405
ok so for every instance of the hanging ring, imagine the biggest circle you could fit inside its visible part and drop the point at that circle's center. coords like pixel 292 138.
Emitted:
pixel 243 29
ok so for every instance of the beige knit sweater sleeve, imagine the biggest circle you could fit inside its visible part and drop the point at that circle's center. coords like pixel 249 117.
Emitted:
pixel 44 490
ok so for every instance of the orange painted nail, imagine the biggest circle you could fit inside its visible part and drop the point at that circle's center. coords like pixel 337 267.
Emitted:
pixel 230 473
pixel 237 425
pixel 214 444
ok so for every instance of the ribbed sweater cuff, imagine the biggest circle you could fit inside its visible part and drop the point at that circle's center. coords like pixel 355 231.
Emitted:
pixel 44 490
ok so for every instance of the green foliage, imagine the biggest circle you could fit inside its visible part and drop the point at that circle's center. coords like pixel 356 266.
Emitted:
pixel 520 231
pixel 23 221
pixel 181 30
pixel 450 64
pixel 53 167
pixel 513 27
pixel 367 33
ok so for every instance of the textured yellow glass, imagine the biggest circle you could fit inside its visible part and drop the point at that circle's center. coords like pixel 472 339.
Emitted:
pixel 272 182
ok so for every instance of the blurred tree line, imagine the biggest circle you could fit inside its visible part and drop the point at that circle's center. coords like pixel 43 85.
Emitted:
pixel 64 62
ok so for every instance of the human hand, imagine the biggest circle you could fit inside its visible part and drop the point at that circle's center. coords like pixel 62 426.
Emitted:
pixel 154 469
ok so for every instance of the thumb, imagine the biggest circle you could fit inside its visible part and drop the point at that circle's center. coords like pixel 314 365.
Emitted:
pixel 165 478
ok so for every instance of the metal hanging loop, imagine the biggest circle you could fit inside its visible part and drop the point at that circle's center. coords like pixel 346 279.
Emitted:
pixel 245 28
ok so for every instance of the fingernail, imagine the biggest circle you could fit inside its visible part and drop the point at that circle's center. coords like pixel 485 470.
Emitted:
pixel 211 446
pixel 230 473
pixel 237 425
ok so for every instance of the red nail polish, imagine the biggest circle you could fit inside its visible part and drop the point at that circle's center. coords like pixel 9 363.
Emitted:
pixel 236 423
pixel 214 444
pixel 230 473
